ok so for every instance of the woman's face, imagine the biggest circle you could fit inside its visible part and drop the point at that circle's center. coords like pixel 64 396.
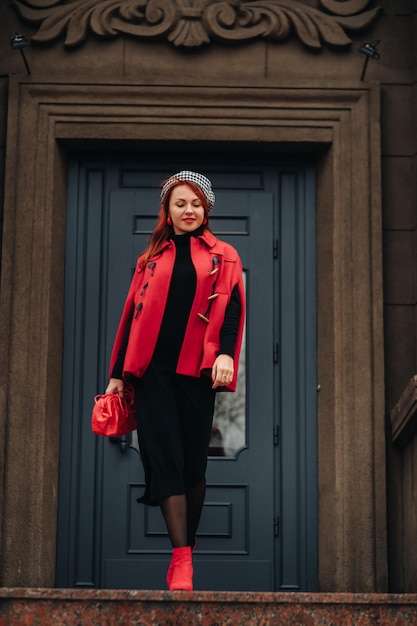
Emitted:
pixel 185 210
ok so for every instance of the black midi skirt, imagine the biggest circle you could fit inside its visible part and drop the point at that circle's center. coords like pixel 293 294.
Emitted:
pixel 174 417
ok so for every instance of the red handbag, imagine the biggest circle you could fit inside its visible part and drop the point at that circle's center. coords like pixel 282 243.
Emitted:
pixel 113 415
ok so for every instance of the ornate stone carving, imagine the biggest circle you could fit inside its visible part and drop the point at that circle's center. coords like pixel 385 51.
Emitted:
pixel 192 23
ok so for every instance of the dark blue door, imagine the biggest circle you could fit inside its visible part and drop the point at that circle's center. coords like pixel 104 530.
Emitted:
pixel 258 528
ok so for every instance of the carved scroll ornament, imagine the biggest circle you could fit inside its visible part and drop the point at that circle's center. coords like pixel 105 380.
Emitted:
pixel 192 23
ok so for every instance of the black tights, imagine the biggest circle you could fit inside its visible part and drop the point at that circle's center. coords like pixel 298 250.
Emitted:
pixel 182 515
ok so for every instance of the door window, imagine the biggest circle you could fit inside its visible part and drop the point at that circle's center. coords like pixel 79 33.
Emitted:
pixel 228 435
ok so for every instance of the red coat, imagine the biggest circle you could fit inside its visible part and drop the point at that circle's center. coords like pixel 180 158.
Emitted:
pixel 146 300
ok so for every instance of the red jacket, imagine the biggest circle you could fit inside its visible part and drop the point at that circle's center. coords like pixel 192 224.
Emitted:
pixel 147 296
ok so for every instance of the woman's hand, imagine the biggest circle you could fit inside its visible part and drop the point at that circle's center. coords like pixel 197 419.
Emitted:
pixel 115 386
pixel 222 371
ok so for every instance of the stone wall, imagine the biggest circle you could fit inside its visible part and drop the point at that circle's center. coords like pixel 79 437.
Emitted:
pixel 403 514
pixel 399 210
pixel 399 193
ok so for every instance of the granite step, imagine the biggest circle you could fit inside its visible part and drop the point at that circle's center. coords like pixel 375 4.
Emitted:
pixel 103 607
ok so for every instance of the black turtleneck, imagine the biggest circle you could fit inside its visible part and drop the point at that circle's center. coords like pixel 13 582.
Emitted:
pixel 179 302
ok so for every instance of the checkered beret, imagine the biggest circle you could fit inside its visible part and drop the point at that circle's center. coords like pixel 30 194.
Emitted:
pixel 201 181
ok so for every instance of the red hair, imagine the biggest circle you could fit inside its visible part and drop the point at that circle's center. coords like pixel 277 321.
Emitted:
pixel 163 230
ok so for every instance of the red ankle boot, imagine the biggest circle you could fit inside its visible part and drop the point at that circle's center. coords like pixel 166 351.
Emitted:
pixel 182 570
pixel 171 566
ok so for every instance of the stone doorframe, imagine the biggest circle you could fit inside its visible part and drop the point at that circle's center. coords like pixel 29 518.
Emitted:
pixel 339 125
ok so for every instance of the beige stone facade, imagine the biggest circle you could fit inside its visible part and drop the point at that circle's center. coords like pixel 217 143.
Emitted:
pixel 124 91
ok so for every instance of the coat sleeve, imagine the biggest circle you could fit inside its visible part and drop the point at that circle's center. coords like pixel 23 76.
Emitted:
pixel 241 326
pixel 230 328
pixel 123 330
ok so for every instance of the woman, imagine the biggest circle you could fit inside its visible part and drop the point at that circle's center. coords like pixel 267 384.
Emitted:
pixel 178 342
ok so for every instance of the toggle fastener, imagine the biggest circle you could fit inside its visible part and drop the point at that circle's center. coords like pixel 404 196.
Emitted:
pixel 215 263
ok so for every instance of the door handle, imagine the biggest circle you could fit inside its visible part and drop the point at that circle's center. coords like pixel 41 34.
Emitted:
pixel 122 440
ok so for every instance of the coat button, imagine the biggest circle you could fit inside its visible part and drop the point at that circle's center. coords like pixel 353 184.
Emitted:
pixel 138 309
pixel 203 317
pixel 213 296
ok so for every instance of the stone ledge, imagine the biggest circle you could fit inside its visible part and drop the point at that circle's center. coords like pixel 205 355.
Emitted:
pixel 404 415
pixel 64 607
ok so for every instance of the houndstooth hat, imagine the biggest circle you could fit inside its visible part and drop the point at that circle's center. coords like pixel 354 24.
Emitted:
pixel 201 181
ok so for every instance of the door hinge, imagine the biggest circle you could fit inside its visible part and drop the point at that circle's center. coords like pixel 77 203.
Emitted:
pixel 275 248
pixel 276 435
pixel 276 526
pixel 276 352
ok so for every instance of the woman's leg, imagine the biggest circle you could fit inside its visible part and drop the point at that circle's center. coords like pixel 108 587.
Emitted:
pixel 195 500
pixel 174 510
